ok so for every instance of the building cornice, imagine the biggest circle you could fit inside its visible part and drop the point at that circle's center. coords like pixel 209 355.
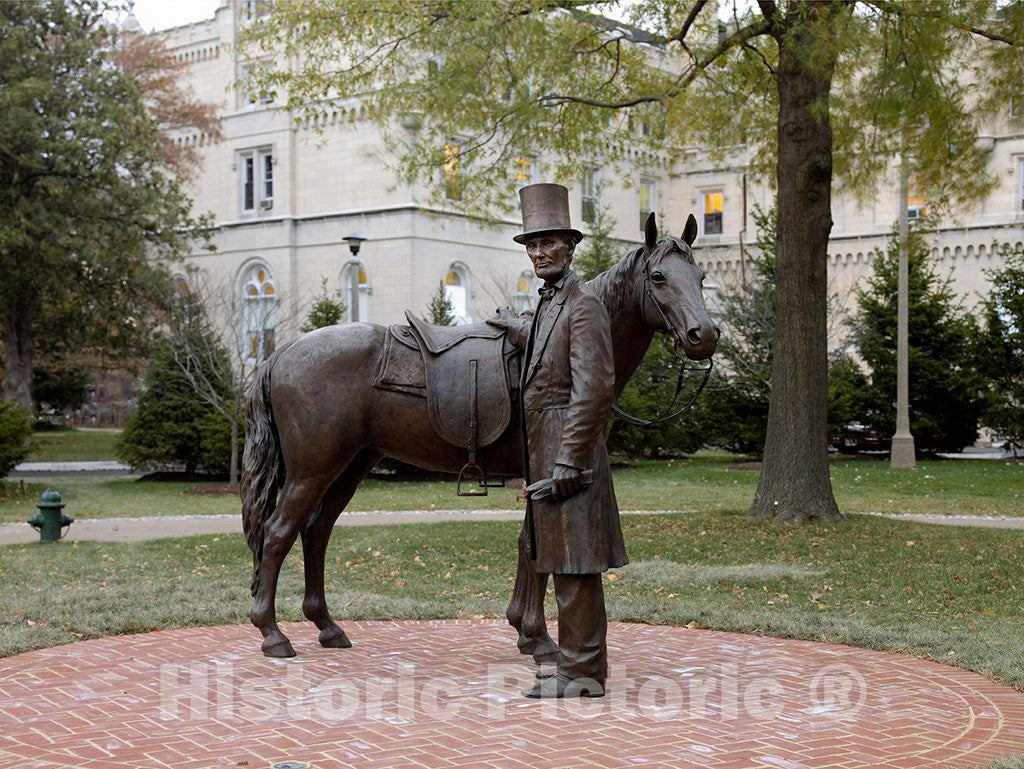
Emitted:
pixel 370 211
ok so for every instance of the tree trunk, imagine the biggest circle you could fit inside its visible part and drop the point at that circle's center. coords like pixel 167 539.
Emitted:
pixel 233 472
pixel 19 345
pixel 794 485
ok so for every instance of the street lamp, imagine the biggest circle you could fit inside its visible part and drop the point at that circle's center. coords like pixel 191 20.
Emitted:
pixel 354 242
pixel 901 455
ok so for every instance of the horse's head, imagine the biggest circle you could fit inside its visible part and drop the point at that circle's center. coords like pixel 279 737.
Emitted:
pixel 673 281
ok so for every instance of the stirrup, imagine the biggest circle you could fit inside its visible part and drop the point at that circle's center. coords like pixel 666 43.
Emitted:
pixel 475 473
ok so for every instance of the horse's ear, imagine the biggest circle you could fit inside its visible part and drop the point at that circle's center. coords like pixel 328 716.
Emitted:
pixel 650 231
pixel 690 230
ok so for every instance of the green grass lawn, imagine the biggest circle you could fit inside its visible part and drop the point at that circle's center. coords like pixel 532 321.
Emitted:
pixel 704 483
pixel 951 594
pixel 70 445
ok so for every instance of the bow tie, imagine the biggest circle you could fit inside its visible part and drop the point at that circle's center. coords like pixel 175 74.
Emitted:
pixel 546 292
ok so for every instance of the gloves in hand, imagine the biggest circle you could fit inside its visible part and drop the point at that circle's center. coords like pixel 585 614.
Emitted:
pixel 567 481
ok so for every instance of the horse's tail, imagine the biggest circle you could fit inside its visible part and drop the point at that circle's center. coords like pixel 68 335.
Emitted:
pixel 262 466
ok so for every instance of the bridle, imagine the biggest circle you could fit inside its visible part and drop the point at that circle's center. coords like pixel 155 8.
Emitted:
pixel 683 362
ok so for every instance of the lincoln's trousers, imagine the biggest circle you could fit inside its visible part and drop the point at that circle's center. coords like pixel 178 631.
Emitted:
pixel 582 626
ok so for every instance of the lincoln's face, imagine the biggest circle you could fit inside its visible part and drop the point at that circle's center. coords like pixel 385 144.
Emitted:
pixel 551 254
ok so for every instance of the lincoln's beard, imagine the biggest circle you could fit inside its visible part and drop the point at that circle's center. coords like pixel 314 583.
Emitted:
pixel 551 272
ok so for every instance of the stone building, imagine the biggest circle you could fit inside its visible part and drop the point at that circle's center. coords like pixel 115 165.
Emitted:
pixel 284 196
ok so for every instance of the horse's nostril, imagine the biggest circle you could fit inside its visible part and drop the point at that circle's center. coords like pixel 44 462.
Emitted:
pixel 693 335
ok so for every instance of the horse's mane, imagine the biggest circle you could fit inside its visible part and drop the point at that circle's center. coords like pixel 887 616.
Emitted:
pixel 614 286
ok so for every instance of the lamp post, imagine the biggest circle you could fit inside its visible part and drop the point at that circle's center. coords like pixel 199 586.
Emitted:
pixel 902 452
pixel 354 242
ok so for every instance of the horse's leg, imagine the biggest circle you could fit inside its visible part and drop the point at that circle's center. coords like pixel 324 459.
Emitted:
pixel 316 533
pixel 526 608
pixel 297 499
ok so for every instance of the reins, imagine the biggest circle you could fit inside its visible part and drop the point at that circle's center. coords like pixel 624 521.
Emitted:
pixel 683 365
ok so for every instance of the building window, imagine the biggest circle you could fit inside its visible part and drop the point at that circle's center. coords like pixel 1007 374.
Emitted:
pixel 588 197
pixel 525 298
pixel 646 201
pixel 916 207
pixel 254 9
pixel 1020 185
pixel 364 294
pixel 256 172
pixel 452 171
pixel 259 296
pixel 248 96
pixel 455 292
pixel 524 169
pixel 181 287
pixel 713 213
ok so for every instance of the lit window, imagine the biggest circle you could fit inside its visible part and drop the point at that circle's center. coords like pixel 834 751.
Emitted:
pixel 916 207
pixel 646 201
pixel 525 298
pixel 713 213
pixel 364 294
pixel 256 176
pixel 588 198
pixel 260 298
pixel 455 292
pixel 524 170
pixel 452 171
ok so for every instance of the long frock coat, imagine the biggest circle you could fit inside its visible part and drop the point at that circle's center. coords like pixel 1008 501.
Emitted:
pixel 567 393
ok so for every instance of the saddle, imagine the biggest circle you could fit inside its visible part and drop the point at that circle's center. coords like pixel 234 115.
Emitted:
pixel 469 376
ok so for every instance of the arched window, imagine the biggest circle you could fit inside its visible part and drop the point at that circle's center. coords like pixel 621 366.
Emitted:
pixel 259 295
pixel 525 297
pixel 455 291
pixel 364 293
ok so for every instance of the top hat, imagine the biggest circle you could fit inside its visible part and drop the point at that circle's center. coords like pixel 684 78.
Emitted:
pixel 545 209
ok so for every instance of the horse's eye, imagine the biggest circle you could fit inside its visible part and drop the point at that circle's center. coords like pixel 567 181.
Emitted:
pixel 657 277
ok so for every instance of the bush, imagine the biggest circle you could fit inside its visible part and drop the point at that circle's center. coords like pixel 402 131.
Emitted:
pixel 62 389
pixel 945 384
pixel 14 436
pixel 171 426
pixel 647 394
pixel 847 395
pixel 325 311
pixel 1000 351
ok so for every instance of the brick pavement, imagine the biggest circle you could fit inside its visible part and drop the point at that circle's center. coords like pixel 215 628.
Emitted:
pixel 444 693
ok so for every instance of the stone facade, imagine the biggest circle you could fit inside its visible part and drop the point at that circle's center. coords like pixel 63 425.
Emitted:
pixel 283 197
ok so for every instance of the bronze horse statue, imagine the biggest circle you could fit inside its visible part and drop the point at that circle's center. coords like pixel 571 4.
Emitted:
pixel 316 425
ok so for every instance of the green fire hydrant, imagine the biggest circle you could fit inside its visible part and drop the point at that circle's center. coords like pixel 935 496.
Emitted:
pixel 49 520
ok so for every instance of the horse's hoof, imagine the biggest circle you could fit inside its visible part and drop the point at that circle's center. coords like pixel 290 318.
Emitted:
pixel 279 649
pixel 334 638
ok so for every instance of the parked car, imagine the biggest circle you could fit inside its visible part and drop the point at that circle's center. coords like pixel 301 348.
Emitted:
pixel 857 437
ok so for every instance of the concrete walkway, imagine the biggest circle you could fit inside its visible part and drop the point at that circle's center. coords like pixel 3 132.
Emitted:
pixel 106 468
pixel 162 526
